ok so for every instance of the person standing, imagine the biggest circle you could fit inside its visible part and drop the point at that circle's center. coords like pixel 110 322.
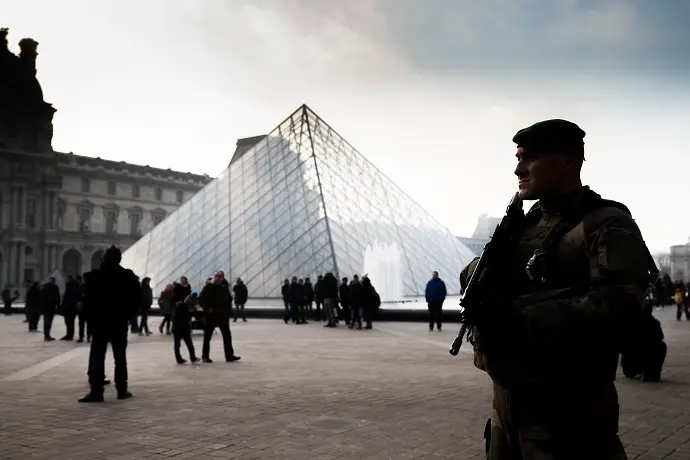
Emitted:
pixel 216 301
pixel 371 301
pixel 576 279
pixel 357 303
pixel 33 304
pixel 309 297
pixel 69 307
pixel 50 302
pixel 318 297
pixel 146 302
pixel 112 297
pixel 329 289
pixel 285 293
pixel 7 299
pixel 241 296
pixel 435 294
pixel 81 314
pixel 295 297
pixel 345 303
pixel 182 328
pixel 166 306
pixel 181 290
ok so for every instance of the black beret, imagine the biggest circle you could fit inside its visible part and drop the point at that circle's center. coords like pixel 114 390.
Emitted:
pixel 550 134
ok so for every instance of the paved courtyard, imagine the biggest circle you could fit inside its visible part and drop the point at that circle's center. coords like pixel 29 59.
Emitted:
pixel 299 392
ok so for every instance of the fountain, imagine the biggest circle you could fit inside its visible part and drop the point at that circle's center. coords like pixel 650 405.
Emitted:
pixel 383 264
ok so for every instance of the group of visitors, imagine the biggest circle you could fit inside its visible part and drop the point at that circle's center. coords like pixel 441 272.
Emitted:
pixel 356 301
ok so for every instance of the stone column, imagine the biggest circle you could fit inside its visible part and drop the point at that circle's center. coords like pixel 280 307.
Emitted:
pixel 51 210
pixel 12 265
pixel 21 262
pixel 44 211
pixel 45 260
pixel 14 207
pixel 21 194
pixel 53 259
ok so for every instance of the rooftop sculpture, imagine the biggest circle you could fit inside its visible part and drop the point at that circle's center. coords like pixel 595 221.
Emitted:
pixel 25 118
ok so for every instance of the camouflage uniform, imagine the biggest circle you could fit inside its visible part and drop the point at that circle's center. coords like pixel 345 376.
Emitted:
pixel 554 393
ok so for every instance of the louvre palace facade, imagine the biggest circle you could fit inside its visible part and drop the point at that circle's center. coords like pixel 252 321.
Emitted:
pixel 59 211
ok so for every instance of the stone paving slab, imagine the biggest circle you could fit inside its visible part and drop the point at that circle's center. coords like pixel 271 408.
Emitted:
pixel 299 392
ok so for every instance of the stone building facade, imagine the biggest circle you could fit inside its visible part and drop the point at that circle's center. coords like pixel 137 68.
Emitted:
pixel 679 261
pixel 60 211
pixel 482 233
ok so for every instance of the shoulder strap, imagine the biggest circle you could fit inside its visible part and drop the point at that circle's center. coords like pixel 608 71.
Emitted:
pixel 594 201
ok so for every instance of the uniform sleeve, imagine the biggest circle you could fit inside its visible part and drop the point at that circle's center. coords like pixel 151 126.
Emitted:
pixel 466 274
pixel 611 307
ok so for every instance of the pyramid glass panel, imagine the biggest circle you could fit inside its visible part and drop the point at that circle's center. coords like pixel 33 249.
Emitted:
pixel 301 202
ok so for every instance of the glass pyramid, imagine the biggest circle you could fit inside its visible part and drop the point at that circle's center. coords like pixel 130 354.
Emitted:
pixel 300 202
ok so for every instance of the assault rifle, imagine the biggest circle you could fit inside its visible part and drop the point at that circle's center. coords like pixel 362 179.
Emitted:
pixel 486 287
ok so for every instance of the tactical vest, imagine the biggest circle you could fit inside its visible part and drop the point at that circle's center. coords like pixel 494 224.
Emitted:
pixel 540 250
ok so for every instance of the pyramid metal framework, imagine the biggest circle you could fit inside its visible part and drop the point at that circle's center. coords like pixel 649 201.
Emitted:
pixel 301 202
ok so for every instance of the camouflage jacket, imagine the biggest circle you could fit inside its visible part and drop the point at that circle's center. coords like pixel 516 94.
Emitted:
pixel 575 338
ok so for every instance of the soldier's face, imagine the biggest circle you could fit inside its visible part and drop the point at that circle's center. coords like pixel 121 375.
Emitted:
pixel 540 174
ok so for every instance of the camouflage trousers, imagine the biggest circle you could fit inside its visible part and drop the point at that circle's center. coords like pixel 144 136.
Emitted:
pixel 534 427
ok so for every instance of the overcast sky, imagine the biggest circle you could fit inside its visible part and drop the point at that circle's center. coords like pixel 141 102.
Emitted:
pixel 430 91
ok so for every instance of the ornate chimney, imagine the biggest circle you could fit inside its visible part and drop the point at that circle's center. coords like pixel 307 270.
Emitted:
pixel 28 53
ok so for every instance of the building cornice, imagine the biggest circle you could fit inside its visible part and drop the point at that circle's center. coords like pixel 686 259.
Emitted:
pixel 117 199
pixel 146 175
pixel 98 168
pixel 89 238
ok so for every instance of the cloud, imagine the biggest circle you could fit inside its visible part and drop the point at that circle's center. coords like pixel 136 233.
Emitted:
pixel 338 39
pixel 613 24
pixel 489 38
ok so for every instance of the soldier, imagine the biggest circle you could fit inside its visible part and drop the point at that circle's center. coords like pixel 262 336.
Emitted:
pixel 112 296
pixel 553 372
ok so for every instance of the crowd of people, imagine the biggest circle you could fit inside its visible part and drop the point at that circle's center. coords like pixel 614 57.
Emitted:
pixel 355 301
pixel 668 292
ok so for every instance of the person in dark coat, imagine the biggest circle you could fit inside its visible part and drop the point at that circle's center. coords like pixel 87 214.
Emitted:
pixel 330 298
pixel 181 290
pixel 84 330
pixel 295 297
pixel 370 302
pixel 112 296
pixel 166 305
pixel 33 306
pixel 182 328
pixel 216 301
pixel 345 302
pixel 50 302
pixel 318 296
pixel 309 299
pixel 241 296
pixel 357 302
pixel 435 294
pixel 7 299
pixel 69 307
pixel 285 293
pixel 145 309
pixel 302 303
